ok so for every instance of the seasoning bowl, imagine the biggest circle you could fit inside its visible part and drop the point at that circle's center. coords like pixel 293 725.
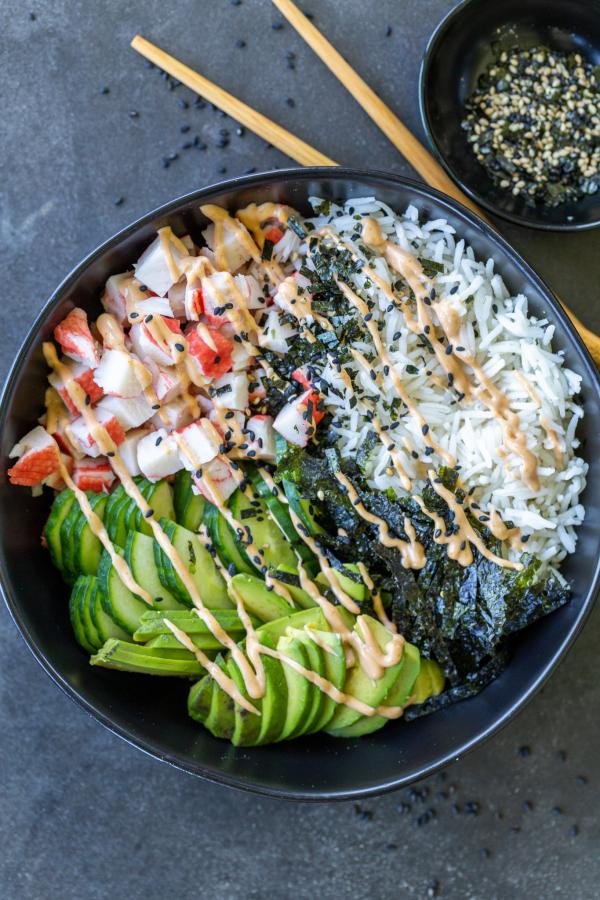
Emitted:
pixel 150 713
pixel 459 52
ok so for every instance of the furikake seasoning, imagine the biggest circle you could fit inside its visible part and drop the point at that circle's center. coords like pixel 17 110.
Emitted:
pixel 534 124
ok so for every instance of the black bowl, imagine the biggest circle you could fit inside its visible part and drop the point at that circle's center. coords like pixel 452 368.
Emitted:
pixel 151 713
pixel 459 51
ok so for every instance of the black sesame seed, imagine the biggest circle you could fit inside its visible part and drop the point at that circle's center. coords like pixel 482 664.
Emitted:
pixel 179 347
pixel 156 406
pixel 149 512
pixel 119 201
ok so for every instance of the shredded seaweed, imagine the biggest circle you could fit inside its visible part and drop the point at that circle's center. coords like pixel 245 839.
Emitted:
pixel 460 616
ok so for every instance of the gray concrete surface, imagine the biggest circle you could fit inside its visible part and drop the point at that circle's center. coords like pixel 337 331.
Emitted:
pixel 83 815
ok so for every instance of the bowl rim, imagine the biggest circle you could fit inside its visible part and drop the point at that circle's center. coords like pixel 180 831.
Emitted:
pixel 259 180
pixel 424 72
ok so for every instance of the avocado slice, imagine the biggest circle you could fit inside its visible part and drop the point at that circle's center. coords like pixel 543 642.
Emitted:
pixel 314 656
pixel 299 595
pixel 129 657
pixel 220 718
pixel 258 600
pixel 334 671
pixel 360 685
pixel 429 683
pixel 300 692
pixel 398 695
pixel 356 590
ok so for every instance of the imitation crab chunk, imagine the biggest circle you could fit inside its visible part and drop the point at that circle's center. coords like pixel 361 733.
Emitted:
pixel 231 391
pixel 220 478
pixel 93 474
pixel 158 455
pixel 120 375
pixel 76 340
pixel 261 437
pixel 198 444
pixel 152 268
pixel 39 458
pixel 128 449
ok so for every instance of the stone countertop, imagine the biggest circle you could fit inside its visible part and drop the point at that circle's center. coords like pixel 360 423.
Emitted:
pixel 86 145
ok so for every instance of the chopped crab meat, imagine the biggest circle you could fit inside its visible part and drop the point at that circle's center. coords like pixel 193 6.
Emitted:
pixel 294 421
pixel 301 376
pixel 228 423
pixel 198 444
pixel 39 457
pixel 155 306
pixel 114 298
pixel 256 386
pixel 176 295
pixel 222 480
pixel 79 434
pixel 274 333
pixel 55 480
pixel 121 375
pixel 240 357
pixel 218 291
pixel 210 350
pixel 166 383
pixel 75 338
pixel 153 269
pixel 85 378
pixel 131 412
pixel 230 391
pixel 173 415
pixel 261 438
pixel 158 455
pixel 251 291
pixel 93 474
pixel 147 347
pixel 234 249
pixel 128 450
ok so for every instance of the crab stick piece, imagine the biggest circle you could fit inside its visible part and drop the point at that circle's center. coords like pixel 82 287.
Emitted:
pixel 75 338
pixel 93 474
pixel 120 375
pixel 39 457
pixel 158 455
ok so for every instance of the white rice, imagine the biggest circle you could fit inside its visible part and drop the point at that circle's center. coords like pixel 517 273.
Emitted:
pixel 498 329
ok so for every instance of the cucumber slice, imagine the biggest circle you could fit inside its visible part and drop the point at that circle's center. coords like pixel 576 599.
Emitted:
pixel 75 617
pixel 199 563
pixel 104 624
pixel 159 497
pixel 114 516
pixel 128 657
pixel 87 547
pixel 86 598
pixel 67 543
pixel 60 510
pixel 226 542
pixel 139 556
pixel 189 507
pixel 125 608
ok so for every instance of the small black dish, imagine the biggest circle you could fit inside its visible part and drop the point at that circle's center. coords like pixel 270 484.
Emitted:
pixel 459 51
pixel 150 713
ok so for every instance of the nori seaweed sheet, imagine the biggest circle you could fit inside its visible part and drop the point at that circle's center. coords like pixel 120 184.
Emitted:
pixel 459 616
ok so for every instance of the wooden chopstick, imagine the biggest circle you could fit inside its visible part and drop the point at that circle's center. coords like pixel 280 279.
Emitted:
pixel 296 148
pixel 262 126
pixel 420 159
pixel 413 151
